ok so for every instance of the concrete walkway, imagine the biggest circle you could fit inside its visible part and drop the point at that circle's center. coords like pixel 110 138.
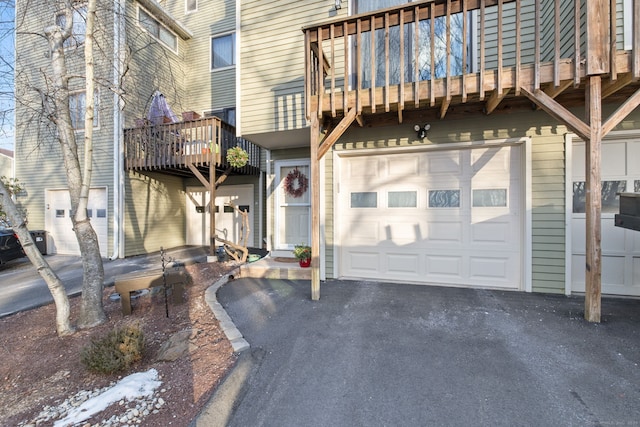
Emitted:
pixel 375 354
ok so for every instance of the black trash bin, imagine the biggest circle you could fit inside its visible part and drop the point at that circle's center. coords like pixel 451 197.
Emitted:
pixel 40 239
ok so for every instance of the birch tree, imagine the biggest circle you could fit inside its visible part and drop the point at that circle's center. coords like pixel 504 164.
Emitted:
pixel 78 178
pixel 63 323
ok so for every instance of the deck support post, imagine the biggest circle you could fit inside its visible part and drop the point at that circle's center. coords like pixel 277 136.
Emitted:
pixel 212 203
pixel 315 209
pixel 593 206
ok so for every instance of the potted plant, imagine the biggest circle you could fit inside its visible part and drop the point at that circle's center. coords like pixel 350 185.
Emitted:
pixel 303 254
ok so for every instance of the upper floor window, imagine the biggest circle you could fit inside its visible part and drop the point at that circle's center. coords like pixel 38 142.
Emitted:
pixel 79 28
pixel 190 6
pixel 223 49
pixel 227 115
pixel 77 108
pixel 158 30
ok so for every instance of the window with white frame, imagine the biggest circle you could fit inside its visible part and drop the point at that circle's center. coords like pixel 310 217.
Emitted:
pixel 223 49
pixel 227 115
pixel 77 109
pixel 190 6
pixel 79 27
pixel 157 30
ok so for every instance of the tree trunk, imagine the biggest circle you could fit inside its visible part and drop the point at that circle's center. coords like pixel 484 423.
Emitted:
pixel 63 324
pixel 91 311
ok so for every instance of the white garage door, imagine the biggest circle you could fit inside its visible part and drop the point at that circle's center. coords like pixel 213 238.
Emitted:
pixel 228 221
pixel 62 239
pixel 620 247
pixel 439 217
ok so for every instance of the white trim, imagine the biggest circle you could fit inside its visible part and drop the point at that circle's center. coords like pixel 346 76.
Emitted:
pixel 627 24
pixel 568 208
pixel 238 69
pixel 526 280
pixel 323 218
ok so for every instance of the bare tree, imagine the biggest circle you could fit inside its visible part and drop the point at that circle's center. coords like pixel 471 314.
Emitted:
pixel 63 324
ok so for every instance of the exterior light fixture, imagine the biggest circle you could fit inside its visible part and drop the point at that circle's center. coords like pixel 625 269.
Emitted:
pixel 338 4
pixel 422 130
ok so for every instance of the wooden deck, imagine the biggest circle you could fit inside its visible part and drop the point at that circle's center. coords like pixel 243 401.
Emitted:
pixel 177 148
pixel 419 69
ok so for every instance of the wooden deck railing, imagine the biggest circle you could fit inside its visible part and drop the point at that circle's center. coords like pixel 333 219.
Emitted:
pixel 457 51
pixel 202 142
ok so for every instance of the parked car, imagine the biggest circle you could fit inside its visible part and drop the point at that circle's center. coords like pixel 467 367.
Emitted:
pixel 10 247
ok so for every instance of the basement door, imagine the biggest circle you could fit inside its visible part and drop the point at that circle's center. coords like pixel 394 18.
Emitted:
pixel 436 217
pixel 620 247
pixel 228 220
pixel 62 239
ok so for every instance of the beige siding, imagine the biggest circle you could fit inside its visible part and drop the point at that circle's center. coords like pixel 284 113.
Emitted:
pixel 6 166
pixel 272 62
pixel 154 213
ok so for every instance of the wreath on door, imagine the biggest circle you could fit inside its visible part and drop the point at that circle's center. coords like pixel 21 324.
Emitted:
pixel 296 183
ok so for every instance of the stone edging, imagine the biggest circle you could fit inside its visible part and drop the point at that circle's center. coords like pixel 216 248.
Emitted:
pixel 238 342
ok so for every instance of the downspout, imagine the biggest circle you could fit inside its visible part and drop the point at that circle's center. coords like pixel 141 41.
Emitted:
pixel 118 133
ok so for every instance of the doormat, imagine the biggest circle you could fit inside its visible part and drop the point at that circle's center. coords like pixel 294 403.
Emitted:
pixel 283 259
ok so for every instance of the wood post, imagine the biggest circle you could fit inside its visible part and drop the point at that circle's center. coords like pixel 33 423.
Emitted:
pixel 212 203
pixel 593 208
pixel 315 209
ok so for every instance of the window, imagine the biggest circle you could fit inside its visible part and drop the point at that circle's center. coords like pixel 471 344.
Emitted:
pixel 79 28
pixel 227 115
pixel 444 198
pixel 402 199
pixel 77 108
pixel 157 30
pixel 364 200
pixel 490 198
pixel 223 51
pixel 423 64
pixel 609 195
pixel 190 6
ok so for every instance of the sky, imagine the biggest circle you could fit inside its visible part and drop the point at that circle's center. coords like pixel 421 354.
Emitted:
pixel 6 73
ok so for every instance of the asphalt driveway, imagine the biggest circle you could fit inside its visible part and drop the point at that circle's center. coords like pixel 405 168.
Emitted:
pixel 376 354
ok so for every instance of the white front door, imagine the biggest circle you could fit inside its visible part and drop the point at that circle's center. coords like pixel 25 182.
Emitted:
pixel 441 217
pixel 62 239
pixel 229 224
pixel 620 247
pixel 293 204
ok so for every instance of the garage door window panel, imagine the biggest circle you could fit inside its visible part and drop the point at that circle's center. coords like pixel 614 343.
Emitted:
pixel 365 199
pixel 609 198
pixel 402 199
pixel 490 198
pixel 444 198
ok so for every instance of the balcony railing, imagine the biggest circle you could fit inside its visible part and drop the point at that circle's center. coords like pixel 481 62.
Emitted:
pixel 433 53
pixel 202 143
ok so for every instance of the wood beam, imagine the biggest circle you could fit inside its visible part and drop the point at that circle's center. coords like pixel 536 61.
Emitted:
pixel 335 134
pixel 495 99
pixel 593 208
pixel 613 86
pixel 621 113
pixel 204 181
pixel 598 37
pixel 444 107
pixel 315 208
pixel 553 91
pixel 557 111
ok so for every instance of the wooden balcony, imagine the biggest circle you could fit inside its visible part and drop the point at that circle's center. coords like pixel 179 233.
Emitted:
pixel 177 148
pixel 439 53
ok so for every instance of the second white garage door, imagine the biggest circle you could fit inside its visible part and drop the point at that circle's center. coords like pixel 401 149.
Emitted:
pixel 440 217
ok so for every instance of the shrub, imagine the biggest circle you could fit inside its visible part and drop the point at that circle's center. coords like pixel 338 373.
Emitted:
pixel 121 348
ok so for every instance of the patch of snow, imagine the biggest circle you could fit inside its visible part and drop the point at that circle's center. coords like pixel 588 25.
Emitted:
pixel 134 386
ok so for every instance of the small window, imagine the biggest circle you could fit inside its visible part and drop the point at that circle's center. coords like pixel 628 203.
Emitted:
pixel 244 208
pixel 636 186
pixel 402 199
pixel 77 109
pixel 444 198
pixel 227 115
pixel 89 213
pixel 223 51
pixel 78 30
pixel 101 213
pixel 490 198
pixel 157 30
pixel 59 213
pixel 364 200
pixel 190 6
pixel 228 209
pixel 609 197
